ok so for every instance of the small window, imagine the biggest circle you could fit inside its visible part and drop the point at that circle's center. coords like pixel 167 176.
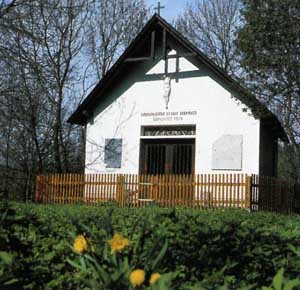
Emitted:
pixel 113 153
pixel 184 130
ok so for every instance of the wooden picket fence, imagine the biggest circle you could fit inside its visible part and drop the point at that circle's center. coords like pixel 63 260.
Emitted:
pixel 194 191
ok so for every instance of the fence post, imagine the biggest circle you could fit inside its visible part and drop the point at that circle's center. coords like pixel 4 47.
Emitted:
pixel 38 193
pixel 120 191
pixel 249 192
pixel 296 197
pixel 154 188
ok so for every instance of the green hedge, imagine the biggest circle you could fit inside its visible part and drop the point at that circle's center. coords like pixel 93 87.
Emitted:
pixel 232 249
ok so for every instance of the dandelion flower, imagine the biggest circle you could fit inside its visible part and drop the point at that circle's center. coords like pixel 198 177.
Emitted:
pixel 80 244
pixel 118 243
pixel 137 277
pixel 154 278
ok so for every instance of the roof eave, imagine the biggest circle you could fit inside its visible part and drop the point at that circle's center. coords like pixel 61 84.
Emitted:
pixel 78 118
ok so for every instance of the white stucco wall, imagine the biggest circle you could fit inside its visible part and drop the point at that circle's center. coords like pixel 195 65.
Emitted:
pixel 217 114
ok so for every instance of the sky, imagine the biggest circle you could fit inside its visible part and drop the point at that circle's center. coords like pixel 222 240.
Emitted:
pixel 173 7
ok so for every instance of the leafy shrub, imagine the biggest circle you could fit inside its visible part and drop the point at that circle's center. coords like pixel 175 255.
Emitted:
pixel 224 249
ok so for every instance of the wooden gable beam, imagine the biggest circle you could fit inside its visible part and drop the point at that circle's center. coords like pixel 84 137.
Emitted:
pixel 164 49
pixel 177 67
pixel 152 52
pixel 178 55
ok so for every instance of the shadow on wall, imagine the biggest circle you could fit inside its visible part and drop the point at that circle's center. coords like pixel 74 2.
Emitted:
pixel 139 74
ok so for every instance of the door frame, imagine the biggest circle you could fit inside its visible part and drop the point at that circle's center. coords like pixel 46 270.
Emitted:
pixel 162 140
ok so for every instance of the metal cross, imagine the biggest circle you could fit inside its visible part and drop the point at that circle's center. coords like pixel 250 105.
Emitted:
pixel 158 8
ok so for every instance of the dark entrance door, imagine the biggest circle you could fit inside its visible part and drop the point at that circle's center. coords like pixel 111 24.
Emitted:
pixel 167 156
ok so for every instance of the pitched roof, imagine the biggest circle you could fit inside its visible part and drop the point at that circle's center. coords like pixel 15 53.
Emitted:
pixel 80 116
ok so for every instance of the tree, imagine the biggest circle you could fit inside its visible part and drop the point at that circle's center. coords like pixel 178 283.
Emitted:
pixel 40 55
pixel 46 48
pixel 43 59
pixel 269 43
pixel 61 30
pixel 112 26
pixel 7 6
pixel 211 25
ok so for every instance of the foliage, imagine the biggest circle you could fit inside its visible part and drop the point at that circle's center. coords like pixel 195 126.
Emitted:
pixel 280 283
pixel 224 249
pixel 269 46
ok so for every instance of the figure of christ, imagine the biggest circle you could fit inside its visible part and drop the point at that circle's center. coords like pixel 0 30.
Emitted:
pixel 167 90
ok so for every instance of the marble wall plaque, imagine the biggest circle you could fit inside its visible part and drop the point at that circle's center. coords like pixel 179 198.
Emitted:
pixel 227 153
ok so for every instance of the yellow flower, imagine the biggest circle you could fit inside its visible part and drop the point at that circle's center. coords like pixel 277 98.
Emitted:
pixel 154 277
pixel 80 244
pixel 137 277
pixel 118 243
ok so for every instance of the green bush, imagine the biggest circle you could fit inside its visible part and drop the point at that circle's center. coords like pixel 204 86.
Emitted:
pixel 224 249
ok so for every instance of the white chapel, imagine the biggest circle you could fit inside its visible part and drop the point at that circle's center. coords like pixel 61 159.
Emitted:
pixel 166 108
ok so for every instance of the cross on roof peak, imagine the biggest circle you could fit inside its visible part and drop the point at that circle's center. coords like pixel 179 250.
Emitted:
pixel 159 7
